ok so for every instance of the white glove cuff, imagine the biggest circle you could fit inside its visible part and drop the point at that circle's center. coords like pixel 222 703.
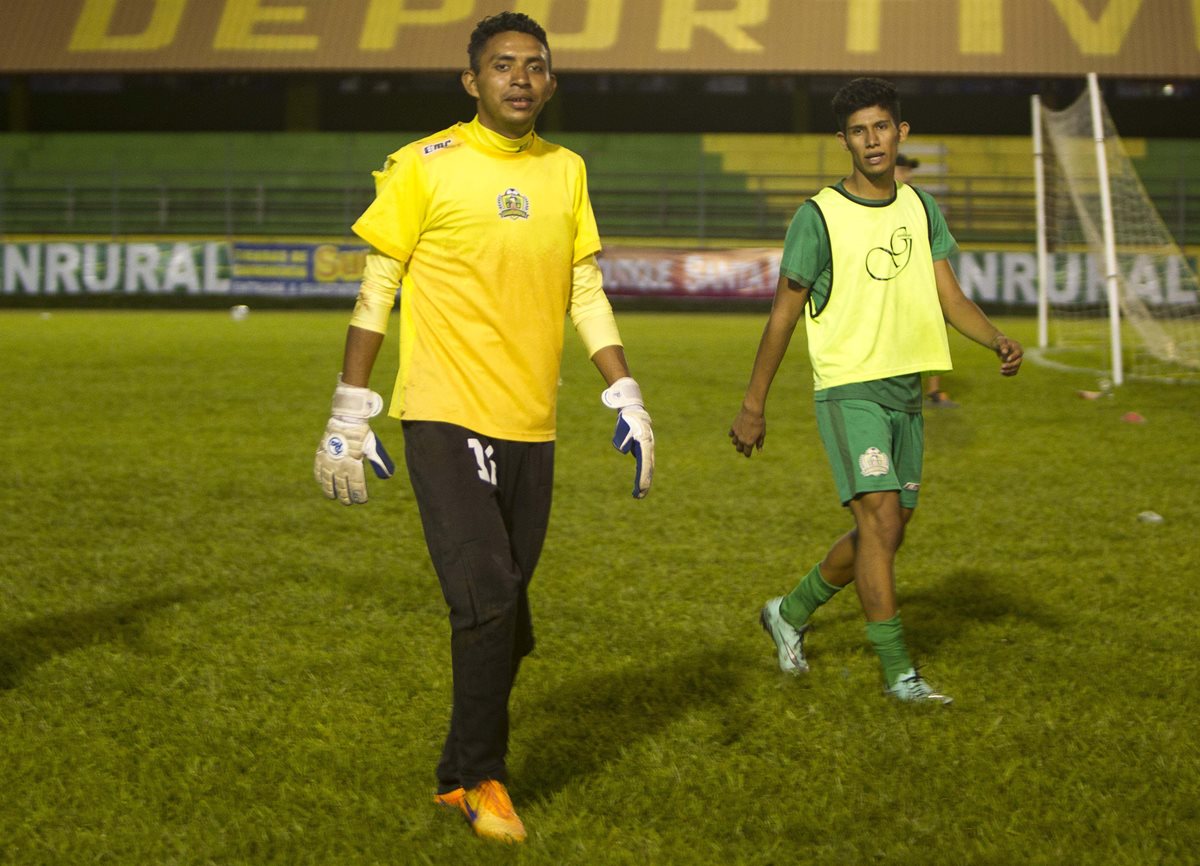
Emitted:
pixel 622 393
pixel 355 403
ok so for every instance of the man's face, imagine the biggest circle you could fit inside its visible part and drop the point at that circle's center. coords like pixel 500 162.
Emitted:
pixel 513 83
pixel 873 139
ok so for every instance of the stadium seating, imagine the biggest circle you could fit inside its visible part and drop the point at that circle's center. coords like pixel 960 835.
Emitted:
pixel 676 189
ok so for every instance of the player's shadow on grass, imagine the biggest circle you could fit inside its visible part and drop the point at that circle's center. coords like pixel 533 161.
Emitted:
pixel 960 603
pixel 26 646
pixel 576 729
pixel 964 600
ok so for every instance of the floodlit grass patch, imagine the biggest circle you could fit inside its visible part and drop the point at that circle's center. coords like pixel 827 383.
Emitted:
pixel 204 661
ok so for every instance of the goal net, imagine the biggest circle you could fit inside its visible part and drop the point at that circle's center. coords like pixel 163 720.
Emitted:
pixel 1101 240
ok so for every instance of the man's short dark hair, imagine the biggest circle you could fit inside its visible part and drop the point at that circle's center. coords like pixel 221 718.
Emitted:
pixel 865 93
pixel 503 22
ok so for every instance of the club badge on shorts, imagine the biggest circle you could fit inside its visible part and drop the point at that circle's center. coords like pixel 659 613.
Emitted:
pixel 873 462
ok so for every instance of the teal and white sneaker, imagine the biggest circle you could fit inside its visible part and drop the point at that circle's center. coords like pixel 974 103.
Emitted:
pixel 789 640
pixel 912 688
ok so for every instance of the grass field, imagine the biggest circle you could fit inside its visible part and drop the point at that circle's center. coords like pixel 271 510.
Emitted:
pixel 204 661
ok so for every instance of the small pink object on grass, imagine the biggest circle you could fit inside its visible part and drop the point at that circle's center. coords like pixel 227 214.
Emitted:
pixel 1133 418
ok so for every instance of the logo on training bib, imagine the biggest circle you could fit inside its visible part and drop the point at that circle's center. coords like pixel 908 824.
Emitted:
pixel 886 263
pixel 512 205
pixel 436 146
pixel 873 462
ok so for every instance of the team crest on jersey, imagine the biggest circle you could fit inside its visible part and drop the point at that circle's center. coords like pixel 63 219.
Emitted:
pixel 436 146
pixel 512 205
pixel 873 462
pixel 886 263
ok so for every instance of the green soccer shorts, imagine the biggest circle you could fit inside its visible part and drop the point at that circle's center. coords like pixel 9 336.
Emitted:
pixel 872 448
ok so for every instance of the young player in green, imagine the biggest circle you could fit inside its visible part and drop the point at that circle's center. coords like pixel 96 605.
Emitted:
pixel 865 264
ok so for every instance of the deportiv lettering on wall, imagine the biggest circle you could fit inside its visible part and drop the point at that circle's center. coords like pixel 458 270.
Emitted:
pixel 974 37
pixel 299 270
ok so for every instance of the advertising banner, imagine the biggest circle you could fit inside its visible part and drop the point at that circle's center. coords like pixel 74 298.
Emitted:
pixel 298 270
pixel 295 270
pixel 94 268
pixel 748 273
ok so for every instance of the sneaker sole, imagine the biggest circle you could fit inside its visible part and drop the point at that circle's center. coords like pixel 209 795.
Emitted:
pixel 931 701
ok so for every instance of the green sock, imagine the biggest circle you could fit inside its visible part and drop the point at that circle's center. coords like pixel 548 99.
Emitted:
pixel 810 593
pixel 888 639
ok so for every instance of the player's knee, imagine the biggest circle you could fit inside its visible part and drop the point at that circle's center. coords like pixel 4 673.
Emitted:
pixel 878 516
pixel 480 585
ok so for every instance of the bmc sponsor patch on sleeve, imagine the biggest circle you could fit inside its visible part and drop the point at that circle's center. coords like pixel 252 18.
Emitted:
pixel 435 146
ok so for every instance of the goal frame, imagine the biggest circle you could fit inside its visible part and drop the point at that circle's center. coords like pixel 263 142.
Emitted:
pixel 1112 275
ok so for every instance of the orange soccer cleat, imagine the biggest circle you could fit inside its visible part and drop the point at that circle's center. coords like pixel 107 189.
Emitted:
pixel 488 810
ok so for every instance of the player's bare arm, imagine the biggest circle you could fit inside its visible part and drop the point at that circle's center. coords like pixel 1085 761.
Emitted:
pixel 362 347
pixel 970 321
pixel 749 428
pixel 610 361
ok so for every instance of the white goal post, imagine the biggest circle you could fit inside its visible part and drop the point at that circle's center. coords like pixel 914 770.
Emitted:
pixel 1116 295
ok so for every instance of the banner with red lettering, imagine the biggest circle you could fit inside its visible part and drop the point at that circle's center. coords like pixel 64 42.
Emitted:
pixel 748 273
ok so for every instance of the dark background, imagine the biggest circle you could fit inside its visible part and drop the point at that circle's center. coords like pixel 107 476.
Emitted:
pixel 585 102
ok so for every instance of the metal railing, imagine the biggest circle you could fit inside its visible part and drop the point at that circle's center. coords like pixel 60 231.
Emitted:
pixel 685 207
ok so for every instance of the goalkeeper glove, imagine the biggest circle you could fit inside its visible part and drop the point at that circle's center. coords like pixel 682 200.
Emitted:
pixel 633 434
pixel 347 440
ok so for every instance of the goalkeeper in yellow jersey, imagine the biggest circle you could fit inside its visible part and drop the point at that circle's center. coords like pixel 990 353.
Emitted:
pixel 865 264
pixel 487 230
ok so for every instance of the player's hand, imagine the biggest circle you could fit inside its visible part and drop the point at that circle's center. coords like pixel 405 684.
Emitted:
pixel 633 434
pixel 348 440
pixel 748 432
pixel 1010 353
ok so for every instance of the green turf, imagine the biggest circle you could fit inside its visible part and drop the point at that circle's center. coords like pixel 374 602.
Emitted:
pixel 203 661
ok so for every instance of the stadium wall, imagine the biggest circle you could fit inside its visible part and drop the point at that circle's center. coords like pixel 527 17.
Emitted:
pixel 971 37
